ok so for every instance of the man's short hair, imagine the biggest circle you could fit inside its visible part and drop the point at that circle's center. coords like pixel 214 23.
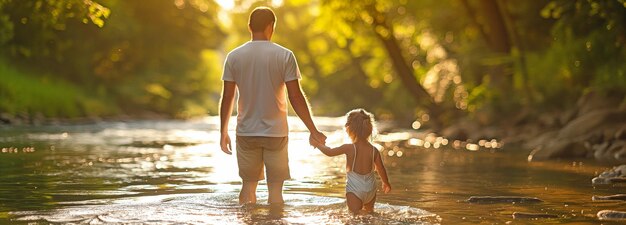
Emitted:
pixel 260 18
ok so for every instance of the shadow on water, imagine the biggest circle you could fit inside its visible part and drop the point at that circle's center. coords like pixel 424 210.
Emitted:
pixel 174 172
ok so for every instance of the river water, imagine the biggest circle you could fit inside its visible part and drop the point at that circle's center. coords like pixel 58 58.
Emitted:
pixel 154 172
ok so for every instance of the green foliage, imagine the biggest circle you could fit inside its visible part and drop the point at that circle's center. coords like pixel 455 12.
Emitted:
pixel 587 51
pixel 450 46
pixel 26 94
pixel 165 56
pixel 146 56
pixel 161 47
pixel 33 29
pixel 6 34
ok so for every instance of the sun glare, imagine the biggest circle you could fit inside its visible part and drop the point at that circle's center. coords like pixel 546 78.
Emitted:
pixel 229 6
pixel 277 3
pixel 226 5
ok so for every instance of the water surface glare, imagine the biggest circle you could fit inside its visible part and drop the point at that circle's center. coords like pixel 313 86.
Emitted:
pixel 174 172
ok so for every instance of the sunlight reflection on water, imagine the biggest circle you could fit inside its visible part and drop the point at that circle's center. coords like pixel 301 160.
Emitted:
pixel 143 172
pixel 110 172
pixel 222 208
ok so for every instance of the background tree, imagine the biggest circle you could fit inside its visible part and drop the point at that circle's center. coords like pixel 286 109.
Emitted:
pixel 142 57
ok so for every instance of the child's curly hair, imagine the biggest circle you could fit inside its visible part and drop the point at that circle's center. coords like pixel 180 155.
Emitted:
pixel 359 124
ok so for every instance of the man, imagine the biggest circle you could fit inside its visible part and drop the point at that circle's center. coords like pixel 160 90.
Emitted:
pixel 261 71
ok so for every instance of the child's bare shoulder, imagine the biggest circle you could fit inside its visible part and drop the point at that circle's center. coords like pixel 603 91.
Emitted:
pixel 345 147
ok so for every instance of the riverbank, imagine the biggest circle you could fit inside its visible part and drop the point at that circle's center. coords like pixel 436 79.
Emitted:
pixel 31 96
pixel 594 128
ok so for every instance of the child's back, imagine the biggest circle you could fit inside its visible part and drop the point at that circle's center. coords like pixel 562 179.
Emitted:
pixel 362 160
pixel 359 182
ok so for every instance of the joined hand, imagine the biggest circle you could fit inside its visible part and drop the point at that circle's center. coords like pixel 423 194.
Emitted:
pixel 317 138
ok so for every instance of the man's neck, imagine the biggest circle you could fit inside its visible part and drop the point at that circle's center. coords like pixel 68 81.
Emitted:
pixel 259 37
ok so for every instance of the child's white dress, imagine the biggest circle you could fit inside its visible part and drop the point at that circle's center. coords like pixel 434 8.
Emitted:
pixel 362 185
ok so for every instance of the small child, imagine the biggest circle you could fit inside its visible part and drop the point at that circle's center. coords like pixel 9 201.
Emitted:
pixel 361 160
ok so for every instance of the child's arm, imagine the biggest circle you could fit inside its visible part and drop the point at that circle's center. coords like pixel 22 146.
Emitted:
pixel 382 172
pixel 330 151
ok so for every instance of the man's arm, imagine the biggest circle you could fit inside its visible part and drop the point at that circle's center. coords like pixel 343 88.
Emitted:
pixel 226 109
pixel 301 106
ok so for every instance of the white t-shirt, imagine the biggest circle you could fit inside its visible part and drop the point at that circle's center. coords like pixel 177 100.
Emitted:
pixel 260 70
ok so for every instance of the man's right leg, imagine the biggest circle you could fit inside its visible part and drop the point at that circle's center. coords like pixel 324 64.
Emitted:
pixel 250 162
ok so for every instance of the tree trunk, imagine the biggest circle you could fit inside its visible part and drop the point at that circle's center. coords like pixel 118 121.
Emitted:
pixel 495 26
pixel 489 19
pixel 474 19
pixel 521 56
pixel 405 71
pixel 402 68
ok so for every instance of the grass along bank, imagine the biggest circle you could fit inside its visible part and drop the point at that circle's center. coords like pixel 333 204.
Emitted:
pixel 26 95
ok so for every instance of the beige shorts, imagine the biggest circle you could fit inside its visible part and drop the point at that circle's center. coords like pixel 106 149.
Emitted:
pixel 254 152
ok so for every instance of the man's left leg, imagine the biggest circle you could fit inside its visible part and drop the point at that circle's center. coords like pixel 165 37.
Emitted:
pixel 276 159
pixel 275 190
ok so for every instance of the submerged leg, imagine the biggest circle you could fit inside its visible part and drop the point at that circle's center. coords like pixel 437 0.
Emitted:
pixel 275 195
pixel 354 203
pixel 277 211
pixel 248 192
pixel 369 207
